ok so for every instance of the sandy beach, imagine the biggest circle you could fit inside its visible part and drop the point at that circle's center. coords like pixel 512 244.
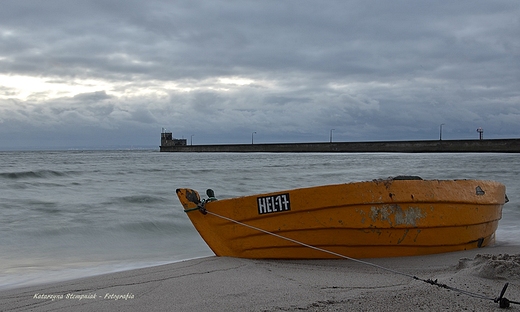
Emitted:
pixel 232 284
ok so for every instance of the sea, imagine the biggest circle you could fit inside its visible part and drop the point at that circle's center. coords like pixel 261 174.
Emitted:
pixel 71 214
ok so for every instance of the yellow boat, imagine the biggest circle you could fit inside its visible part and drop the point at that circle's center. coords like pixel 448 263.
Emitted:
pixel 402 216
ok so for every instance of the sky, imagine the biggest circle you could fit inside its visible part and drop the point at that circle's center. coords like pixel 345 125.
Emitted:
pixel 114 74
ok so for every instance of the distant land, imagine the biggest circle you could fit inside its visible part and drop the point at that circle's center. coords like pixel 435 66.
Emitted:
pixel 430 146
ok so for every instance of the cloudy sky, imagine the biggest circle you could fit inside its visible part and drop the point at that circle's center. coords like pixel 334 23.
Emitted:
pixel 110 73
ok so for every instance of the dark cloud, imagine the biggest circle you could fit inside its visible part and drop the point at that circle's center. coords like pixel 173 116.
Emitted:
pixel 95 72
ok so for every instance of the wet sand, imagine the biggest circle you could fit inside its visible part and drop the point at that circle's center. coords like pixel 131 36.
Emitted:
pixel 231 284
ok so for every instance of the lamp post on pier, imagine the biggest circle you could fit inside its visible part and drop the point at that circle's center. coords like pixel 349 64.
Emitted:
pixel 252 139
pixel 331 134
pixel 440 133
pixel 480 133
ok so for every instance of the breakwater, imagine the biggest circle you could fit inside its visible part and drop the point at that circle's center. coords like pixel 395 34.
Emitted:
pixel 428 146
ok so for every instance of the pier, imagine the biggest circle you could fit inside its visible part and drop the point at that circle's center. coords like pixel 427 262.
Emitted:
pixel 427 146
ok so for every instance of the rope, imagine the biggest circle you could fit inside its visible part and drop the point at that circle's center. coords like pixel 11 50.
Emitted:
pixel 503 302
pixel 310 246
pixel 192 209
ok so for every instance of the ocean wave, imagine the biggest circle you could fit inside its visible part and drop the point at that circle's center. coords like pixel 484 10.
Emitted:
pixel 49 208
pixel 141 199
pixel 156 227
pixel 89 232
pixel 38 174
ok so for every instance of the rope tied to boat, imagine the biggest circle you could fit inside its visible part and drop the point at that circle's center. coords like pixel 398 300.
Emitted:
pixel 501 300
pixel 201 204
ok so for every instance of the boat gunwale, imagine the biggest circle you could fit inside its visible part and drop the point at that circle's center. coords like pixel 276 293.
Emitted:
pixel 386 183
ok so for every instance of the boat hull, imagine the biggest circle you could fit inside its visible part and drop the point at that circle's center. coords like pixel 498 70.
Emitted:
pixel 380 218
